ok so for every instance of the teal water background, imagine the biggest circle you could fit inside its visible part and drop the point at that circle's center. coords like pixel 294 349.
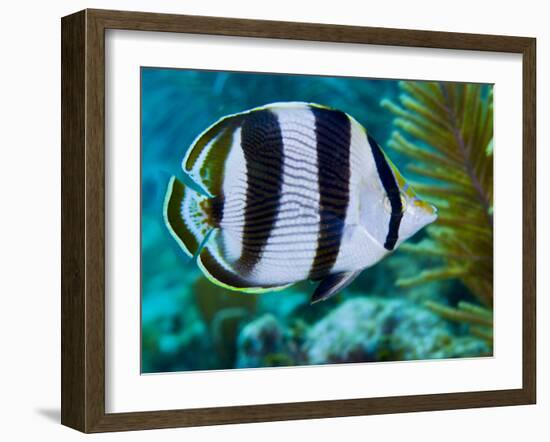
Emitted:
pixel 190 324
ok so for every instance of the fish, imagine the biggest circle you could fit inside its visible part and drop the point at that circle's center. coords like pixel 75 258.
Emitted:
pixel 288 192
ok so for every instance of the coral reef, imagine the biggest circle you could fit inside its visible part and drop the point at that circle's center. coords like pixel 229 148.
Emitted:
pixel 262 343
pixel 377 329
pixel 174 337
pixel 359 330
pixel 224 312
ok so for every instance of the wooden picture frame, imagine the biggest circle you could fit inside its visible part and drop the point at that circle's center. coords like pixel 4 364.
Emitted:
pixel 83 220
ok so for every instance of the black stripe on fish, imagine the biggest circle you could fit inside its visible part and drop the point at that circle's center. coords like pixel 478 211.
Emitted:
pixel 215 210
pixel 262 145
pixel 392 191
pixel 333 138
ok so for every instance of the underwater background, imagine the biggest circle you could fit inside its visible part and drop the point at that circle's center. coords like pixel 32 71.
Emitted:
pixel 431 298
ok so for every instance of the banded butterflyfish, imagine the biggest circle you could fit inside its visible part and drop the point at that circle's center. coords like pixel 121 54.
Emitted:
pixel 289 192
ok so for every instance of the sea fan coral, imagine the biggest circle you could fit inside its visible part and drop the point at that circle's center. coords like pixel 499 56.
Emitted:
pixel 447 129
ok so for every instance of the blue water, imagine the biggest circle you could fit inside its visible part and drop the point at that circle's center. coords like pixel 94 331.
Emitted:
pixel 190 324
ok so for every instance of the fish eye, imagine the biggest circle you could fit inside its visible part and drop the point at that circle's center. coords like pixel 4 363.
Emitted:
pixel 387 203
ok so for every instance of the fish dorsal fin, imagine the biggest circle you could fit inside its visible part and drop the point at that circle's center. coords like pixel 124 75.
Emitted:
pixel 205 159
pixel 332 284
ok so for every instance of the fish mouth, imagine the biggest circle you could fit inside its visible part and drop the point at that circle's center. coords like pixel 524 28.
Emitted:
pixel 428 210
pixel 432 213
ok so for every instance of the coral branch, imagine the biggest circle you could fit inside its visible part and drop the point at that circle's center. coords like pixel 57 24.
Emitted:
pixel 467 164
pixel 446 129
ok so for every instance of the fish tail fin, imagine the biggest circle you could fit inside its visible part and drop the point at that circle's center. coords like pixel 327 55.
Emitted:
pixel 193 220
pixel 189 216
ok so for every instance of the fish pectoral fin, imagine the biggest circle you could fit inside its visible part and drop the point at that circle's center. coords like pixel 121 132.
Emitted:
pixel 332 284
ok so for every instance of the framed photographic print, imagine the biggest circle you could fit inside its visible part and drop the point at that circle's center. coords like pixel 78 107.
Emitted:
pixel 268 220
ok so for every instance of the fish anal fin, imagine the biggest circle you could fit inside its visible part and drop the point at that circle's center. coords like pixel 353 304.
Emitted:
pixel 214 264
pixel 332 284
